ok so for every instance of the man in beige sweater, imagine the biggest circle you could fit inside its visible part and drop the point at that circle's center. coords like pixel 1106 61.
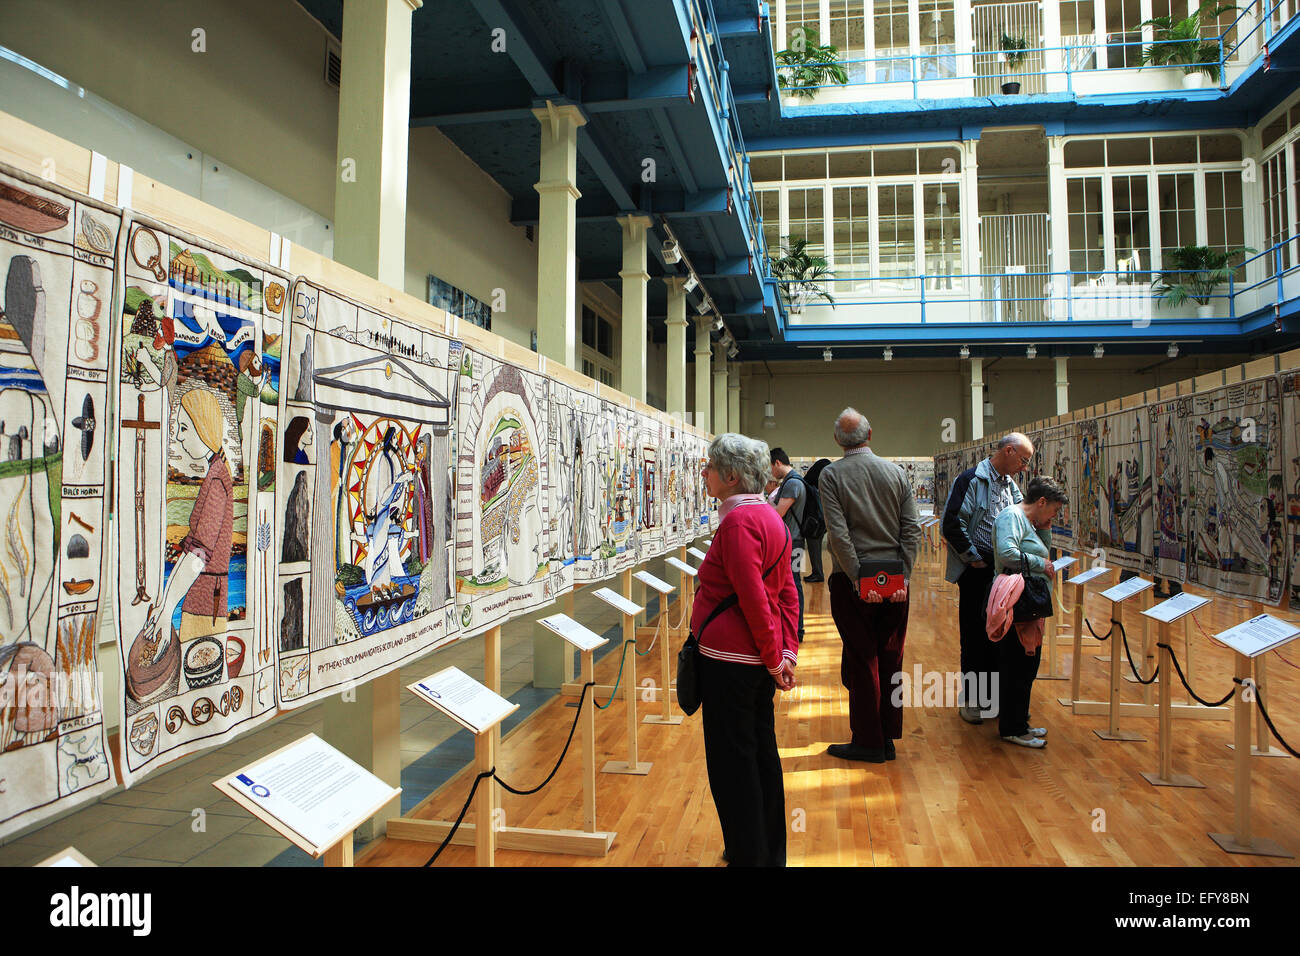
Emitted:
pixel 870 515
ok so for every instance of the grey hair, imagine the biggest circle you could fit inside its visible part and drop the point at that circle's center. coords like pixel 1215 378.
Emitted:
pixel 853 437
pixel 746 459
pixel 1014 438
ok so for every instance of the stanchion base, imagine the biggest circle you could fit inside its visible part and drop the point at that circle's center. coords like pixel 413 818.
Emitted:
pixel 622 766
pixel 1256 752
pixel 1065 701
pixel 575 842
pixel 661 719
pixel 1052 677
pixel 1119 735
pixel 1174 780
pixel 1257 847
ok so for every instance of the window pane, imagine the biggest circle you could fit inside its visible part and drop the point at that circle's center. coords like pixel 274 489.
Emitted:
pixel 1177 212
pixel 1223 212
pixel 1170 150
pixel 938 39
pixel 805 166
pixel 851 259
pixel 1132 228
pixel 941 220
pixel 1129 152
pixel 848 34
pixel 604 338
pixel 1222 148
pixel 588 328
pixel 850 165
pixel 806 221
pixel 769 206
pixel 893 44
pixel 1085 153
pixel 1087 257
pixel 765 169
pixel 897 243
pixel 895 162
pixel 945 160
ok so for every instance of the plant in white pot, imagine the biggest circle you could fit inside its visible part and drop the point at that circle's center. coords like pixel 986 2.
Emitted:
pixel 1195 272
pixel 800 274
pixel 804 67
pixel 1014 50
pixel 1180 43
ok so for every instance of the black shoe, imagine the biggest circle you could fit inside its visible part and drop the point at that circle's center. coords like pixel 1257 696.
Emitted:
pixel 890 754
pixel 813 578
pixel 863 754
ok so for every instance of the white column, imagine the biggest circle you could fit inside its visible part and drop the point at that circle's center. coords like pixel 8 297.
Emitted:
pixel 1054 58
pixel 970 226
pixel 1099 26
pixel 733 398
pixel 632 347
pixel 676 346
pixel 1062 385
pixel 557 264
pixel 370 236
pixel 721 422
pixel 703 354
pixel 976 399
pixel 1058 224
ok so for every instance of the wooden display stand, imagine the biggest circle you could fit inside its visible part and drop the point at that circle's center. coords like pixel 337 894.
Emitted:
pixel 586 842
pixel 1261 747
pixel 662 632
pixel 1243 840
pixel 1164 776
pixel 629 610
pixel 1117 596
pixel 1080 583
pixel 337 853
pixel 1050 638
pixel 70 856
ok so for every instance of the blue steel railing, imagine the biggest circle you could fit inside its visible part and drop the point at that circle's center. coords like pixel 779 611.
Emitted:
pixel 1070 296
pixel 1264 23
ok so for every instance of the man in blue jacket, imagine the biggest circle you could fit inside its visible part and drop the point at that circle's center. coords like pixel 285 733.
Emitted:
pixel 976 498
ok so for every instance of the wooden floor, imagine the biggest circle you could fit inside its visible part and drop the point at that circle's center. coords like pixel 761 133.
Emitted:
pixel 956 795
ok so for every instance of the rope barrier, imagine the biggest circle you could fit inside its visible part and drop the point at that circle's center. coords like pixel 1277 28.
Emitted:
pixel 1088 624
pixel 1259 700
pixel 460 817
pixel 659 627
pixel 617 680
pixel 1128 654
pixel 1178 669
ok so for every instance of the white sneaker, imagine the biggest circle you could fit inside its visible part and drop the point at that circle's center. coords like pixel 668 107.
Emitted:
pixel 1038 731
pixel 1027 740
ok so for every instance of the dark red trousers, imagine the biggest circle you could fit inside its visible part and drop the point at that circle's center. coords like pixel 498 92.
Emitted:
pixel 873 636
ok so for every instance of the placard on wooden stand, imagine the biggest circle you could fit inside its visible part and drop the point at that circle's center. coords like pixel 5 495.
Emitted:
pixel 69 856
pixel 1249 640
pixel 1080 582
pixel 625 606
pixel 1262 746
pixel 363 799
pixel 1052 625
pixel 1178 607
pixel 1118 595
pixel 661 632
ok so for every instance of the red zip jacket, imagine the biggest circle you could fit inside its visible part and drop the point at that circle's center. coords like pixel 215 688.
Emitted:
pixel 763 627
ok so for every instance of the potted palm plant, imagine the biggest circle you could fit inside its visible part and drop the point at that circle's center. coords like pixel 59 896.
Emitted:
pixel 804 67
pixel 800 274
pixel 1179 43
pixel 1014 50
pixel 1195 272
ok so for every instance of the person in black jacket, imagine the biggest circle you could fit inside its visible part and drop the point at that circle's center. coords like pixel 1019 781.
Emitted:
pixel 815 544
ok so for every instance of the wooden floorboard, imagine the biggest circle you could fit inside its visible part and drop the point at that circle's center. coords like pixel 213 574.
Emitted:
pixel 956 795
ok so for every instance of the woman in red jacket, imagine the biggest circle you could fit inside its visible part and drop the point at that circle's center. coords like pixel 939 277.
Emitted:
pixel 747 650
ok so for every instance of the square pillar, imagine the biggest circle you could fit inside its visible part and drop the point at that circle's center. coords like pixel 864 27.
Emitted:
pixel 976 399
pixel 733 398
pixel 557 227
pixel 632 347
pixel 721 421
pixel 703 356
pixel 676 346
pixel 1058 224
pixel 1062 386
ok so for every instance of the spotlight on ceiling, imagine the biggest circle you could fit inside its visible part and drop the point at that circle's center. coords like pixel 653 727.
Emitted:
pixel 769 415
pixel 703 307
pixel 826 355
pixel 672 252
pixel 1098 351
pixel 1172 351
pixel 733 351
pixel 717 322
pixel 965 352
pixel 889 353
pixel 691 283
pixel 1031 351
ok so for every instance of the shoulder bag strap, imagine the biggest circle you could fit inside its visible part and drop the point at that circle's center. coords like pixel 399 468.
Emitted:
pixel 731 600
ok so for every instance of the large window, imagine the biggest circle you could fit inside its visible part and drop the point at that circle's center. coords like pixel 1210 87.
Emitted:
pixel 1087 236
pixel 850 207
pixel 892 25
pixel 597 352
pixel 897 243
pixel 848 35
pixel 807 218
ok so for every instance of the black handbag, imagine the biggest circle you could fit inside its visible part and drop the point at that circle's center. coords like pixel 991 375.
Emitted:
pixel 1035 600
pixel 688 671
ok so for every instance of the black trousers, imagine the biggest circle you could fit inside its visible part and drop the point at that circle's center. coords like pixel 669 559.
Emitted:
pixel 796 561
pixel 873 636
pixel 1015 684
pixel 979 655
pixel 743 762
pixel 815 555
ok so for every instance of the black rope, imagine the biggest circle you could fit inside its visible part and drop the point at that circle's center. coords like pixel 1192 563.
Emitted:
pixel 563 753
pixel 1088 624
pixel 460 817
pixel 1128 654
pixel 1195 696
pixel 1259 699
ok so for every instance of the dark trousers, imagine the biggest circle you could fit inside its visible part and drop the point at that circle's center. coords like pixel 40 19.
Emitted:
pixel 979 655
pixel 1015 684
pixel 873 636
pixel 743 762
pixel 815 555
pixel 796 560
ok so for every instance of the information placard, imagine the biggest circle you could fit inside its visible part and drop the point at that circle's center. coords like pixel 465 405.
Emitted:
pixel 1258 635
pixel 695 553
pixel 646 578
pixel 1176 607
pixel 1126 589
pixel 1083 577
pixel 1060 564
pixel 475 707
pixel 680 566
pixel 67 857
pixel 708 541
pixel 312 791
pixel 617 601
pixel 584 639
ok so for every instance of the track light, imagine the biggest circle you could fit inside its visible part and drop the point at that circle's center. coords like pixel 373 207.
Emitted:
pixel 704 307
pixel 691 283
pixel 826 355
pixel 1172 351
pixel 733 351
pixel 717 323
pixel 1031 352
pixel 965 352
pixel 672 252
pixel 889 353
pixel 1098 351
pixel 727 340
pixel 769 415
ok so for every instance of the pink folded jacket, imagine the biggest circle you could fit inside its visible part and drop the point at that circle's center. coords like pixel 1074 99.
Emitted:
pixel 1003 596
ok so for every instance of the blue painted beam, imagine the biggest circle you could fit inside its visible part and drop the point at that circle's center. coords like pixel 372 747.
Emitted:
pixel 1038 332
pixel 624 36
pixel 530 52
